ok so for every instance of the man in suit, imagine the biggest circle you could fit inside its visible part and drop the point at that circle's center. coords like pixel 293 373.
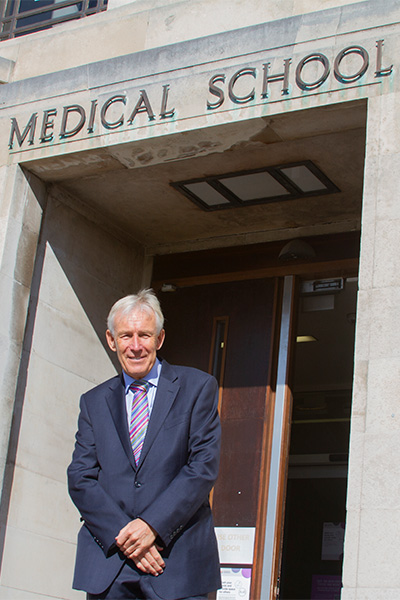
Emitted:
pixel 145 459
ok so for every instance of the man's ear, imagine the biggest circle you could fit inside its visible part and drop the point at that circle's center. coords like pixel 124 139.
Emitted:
pixel 160 338
pixel 111 340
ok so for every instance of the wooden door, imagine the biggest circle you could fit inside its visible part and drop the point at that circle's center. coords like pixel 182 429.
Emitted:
pixel 228 329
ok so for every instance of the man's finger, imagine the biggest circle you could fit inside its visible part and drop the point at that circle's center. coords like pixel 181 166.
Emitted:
pixel 156 557
pixel 151 562
pixel 131 551
pixel 123 535
pixel 130 547
pixel 140 566
pixel 152 568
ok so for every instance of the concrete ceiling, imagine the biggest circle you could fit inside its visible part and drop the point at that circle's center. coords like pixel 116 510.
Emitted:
pixel 128 186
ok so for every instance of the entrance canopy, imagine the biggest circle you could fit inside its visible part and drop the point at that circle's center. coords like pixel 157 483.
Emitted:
pixel 129 186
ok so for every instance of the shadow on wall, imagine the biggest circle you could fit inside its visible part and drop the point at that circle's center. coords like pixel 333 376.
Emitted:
pixel 99 265
pixel 80 269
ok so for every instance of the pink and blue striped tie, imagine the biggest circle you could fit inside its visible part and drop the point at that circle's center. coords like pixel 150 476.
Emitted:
pixel 139 416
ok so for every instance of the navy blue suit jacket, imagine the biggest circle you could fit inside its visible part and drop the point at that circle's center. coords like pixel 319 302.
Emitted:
pixel 168 489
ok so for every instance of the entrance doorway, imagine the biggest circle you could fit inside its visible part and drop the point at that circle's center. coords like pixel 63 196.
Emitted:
pixel 233 329
pixel 317 476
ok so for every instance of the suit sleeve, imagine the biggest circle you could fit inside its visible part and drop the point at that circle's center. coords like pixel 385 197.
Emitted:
pixel 182 498
pixel 102 515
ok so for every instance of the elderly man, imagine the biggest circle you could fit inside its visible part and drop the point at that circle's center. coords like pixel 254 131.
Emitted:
pixel 145 460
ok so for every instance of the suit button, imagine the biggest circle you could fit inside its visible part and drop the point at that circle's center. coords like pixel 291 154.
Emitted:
pixel 138 484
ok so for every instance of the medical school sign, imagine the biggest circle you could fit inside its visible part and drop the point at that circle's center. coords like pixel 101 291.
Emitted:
pixel 227 88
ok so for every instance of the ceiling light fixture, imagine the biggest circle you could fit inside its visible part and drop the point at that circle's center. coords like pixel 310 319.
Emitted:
pixel 297 249
pixel 258 186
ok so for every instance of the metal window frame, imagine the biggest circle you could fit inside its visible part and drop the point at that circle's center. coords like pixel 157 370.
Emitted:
pixel 9 23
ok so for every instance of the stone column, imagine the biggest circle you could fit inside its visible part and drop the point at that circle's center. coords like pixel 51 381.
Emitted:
pixel 372 549
pixel 22 199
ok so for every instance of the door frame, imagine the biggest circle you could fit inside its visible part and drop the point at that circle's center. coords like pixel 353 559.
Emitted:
pixel 279 446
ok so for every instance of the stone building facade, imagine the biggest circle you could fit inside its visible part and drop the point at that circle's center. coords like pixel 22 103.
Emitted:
pixel 186 145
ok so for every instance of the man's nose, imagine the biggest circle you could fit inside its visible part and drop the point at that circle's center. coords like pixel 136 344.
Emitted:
pixel 135 343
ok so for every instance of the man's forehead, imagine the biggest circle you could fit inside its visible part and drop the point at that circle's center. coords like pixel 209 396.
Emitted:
pixel 138 315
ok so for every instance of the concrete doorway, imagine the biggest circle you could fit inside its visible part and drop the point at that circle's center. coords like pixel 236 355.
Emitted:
pixel 108 214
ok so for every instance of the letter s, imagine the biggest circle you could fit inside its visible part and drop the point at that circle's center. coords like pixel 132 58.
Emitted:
pixel 216 91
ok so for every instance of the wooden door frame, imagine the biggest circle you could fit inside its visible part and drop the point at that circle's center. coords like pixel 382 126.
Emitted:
pixel 279 443
pixel 261 525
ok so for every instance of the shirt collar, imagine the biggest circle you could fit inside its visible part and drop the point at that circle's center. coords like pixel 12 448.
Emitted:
pixel 152 376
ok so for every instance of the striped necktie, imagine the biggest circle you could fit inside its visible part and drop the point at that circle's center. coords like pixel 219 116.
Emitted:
pixel 139 416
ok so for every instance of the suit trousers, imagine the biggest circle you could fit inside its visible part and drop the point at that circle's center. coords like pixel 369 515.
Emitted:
pixel 131 585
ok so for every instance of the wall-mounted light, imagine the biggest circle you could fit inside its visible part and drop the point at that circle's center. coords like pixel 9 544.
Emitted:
pixel 305 338
pixel 168 287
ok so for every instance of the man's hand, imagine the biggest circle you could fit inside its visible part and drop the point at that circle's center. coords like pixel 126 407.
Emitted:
pixel 136 541
pixel 152 562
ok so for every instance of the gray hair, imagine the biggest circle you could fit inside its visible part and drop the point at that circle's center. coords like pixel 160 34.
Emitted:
pixel 143 300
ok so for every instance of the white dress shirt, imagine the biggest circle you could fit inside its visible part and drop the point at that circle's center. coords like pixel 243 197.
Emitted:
pixel 152 377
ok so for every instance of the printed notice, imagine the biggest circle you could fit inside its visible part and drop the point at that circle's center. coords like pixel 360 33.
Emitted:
pixel 235 545
pixel 235 584
pixel 326 587
pixel 332 541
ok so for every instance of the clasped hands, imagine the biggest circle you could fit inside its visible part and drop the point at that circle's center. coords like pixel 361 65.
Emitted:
pixel 137 541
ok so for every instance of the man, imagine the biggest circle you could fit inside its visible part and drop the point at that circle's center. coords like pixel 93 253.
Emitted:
pixel 145 460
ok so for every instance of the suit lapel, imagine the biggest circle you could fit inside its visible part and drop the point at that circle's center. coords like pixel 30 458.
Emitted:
pixel 167 390
pixel 116 403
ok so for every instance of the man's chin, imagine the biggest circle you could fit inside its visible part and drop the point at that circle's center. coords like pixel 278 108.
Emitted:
pixel 137 369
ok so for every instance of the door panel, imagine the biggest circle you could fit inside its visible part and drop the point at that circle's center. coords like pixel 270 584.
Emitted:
pixel 248 311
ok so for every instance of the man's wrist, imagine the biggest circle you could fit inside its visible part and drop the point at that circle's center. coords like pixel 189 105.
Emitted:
pixel 153 531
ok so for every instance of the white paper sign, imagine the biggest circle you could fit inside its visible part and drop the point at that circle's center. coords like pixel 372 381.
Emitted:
pixel 235 545
pixel 235 584
pixel 332 541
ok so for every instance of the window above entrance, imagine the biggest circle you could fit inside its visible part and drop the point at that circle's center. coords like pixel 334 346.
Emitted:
pixel 282 182
pixel 20 17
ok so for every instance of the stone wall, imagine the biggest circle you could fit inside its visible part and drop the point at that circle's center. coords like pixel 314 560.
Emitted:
pixel 23 198
pixel 82 269
pixel 128 27
pixel 373 519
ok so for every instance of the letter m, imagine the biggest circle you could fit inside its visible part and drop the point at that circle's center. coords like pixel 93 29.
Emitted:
pixel 29 129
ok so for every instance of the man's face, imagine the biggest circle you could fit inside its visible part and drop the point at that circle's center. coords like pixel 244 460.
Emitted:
pixel 135 340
